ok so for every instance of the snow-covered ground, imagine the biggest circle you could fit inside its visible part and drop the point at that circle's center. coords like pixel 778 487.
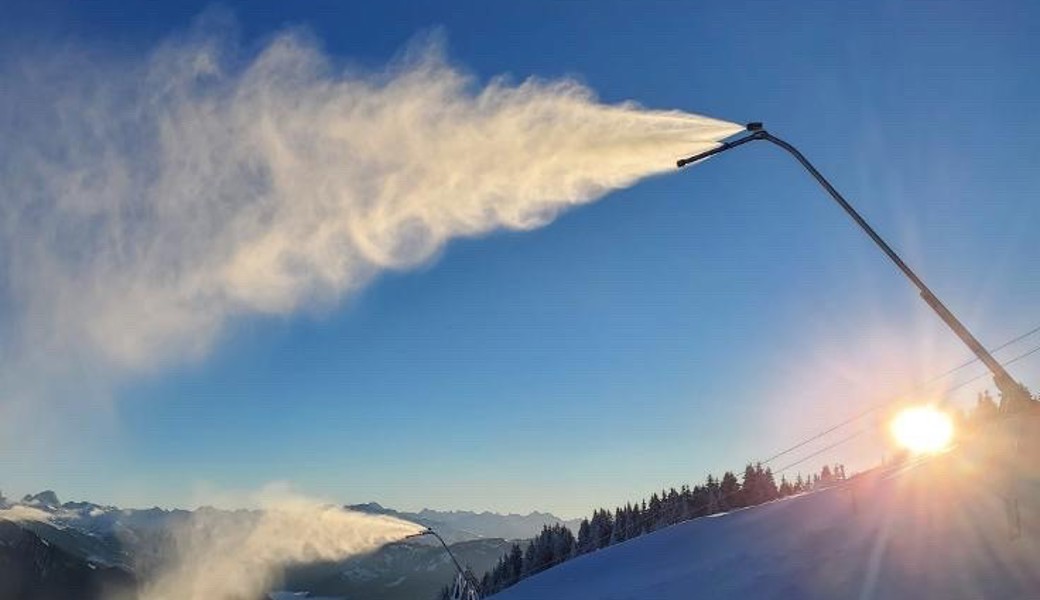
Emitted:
pixel 937 529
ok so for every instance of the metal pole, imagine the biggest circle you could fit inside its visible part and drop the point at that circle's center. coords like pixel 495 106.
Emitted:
pixel 465 574
pixel 1005 383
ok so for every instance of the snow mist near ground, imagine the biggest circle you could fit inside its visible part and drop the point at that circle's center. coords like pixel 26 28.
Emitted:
pixel 145 201
pixel 220 557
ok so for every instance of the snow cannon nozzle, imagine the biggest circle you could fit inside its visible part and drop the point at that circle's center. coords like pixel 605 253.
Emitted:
pixel 756 131
pixel 426 531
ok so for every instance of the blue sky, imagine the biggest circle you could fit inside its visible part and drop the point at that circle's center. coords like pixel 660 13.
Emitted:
pixel 686 325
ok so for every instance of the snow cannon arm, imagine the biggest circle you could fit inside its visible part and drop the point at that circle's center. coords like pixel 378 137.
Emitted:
pixel 1004 381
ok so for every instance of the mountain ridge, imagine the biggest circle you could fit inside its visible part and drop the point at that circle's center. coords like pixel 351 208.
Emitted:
pixel 463 525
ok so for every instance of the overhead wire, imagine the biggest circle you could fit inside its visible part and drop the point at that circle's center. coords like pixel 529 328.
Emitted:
pixel 921 386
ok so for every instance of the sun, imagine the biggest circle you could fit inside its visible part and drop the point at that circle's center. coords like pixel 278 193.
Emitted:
pixel 922 429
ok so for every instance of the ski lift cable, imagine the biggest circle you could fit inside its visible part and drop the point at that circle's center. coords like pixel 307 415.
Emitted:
pixel 975 359
pixel 1025 354
pixel 917 388
pixel 859 432
pixel 843 440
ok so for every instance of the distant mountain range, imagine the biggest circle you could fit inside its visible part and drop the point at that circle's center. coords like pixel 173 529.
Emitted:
pixel 458 526
pixel 51 550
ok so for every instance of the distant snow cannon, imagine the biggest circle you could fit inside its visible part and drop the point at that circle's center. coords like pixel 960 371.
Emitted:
pixel 1015 396
pixel 465 586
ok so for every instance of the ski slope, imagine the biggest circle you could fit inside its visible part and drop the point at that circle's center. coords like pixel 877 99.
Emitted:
pixel 935 529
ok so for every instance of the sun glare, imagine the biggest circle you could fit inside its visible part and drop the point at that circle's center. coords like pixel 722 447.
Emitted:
pixel 922 429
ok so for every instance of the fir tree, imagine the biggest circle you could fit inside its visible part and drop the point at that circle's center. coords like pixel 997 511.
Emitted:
pixel 749 490
pixel 713 492
pixel 654 517
pixel 584 544
pixel 620 524
pixel 514 566
pixel 768 484
pixel 729 489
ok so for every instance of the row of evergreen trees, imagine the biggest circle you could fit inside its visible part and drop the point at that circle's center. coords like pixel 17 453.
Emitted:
pixel 987 409
pixel 556 543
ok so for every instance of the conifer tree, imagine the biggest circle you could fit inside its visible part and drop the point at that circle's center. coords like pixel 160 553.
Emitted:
pixel 729 489
pixel 714 495
pixel 620 524
pixel 654 516
pixel 584 544
pixel 514 565
pixel 768 484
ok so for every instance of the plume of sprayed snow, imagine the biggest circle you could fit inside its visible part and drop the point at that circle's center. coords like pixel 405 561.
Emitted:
pixel 21 513
pixel 145 202
pixel 222 555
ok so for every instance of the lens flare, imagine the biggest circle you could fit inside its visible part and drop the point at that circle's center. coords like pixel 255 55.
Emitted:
pixel 922 429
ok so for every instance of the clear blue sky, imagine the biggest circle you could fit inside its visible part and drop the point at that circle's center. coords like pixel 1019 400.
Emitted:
pixel 686 325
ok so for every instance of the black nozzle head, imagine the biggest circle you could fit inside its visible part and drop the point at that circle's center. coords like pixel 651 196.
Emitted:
pixel 755 126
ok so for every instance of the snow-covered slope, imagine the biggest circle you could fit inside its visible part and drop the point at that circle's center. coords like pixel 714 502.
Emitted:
pixel 937 529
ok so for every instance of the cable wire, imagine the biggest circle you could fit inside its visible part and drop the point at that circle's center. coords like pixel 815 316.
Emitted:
pixel 917 388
